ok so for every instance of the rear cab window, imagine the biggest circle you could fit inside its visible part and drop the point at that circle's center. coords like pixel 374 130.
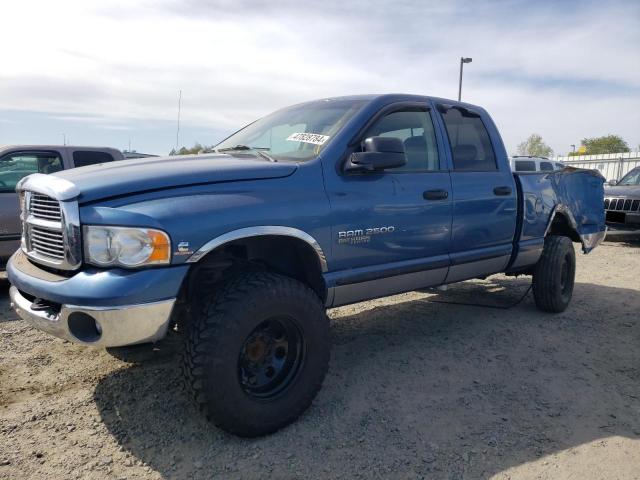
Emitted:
pixel 82 158
pixel 17 165
pixel 469 140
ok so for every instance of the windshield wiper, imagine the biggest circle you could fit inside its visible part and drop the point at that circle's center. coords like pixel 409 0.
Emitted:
pixel 258 150
pixel 237 147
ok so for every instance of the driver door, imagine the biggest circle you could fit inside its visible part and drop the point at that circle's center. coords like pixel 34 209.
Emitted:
pixel 391 229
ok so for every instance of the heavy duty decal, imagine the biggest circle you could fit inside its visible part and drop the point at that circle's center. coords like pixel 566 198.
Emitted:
pixel 354 237
pixel 314 138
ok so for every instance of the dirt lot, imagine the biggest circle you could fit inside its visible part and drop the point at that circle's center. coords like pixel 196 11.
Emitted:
pixel 416 389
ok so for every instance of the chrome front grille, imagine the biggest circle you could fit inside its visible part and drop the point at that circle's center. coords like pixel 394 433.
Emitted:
pixel 47 242
pixel 50 230
pixel 44 231
pixel 622 204
pixel 41 206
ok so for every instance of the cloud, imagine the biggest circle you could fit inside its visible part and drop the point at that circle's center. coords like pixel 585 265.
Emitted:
pixel 546 66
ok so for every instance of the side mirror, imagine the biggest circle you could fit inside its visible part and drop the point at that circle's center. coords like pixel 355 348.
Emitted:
pixel 612 183
pixel 379 153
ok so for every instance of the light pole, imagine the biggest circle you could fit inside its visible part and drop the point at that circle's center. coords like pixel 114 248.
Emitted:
pixel 463 60
pixel 573 148
pixel 178 129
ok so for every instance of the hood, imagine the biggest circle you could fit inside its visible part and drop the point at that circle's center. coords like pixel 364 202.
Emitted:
pixel 630 191
pixel 124 177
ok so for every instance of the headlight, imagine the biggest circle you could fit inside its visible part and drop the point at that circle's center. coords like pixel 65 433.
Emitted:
pixel 125 246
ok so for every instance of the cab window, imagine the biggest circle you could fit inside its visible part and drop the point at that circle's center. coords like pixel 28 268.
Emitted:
pixel 546 166
pixel 415 128
pixel 15 166
pixel 82 158
pixel 469 140
pixel 525 166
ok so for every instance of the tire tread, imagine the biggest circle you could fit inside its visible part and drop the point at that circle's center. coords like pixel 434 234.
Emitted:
pixel 209 322
pixel 545 274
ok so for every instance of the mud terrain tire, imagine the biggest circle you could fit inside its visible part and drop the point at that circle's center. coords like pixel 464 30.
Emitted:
pixel 256 352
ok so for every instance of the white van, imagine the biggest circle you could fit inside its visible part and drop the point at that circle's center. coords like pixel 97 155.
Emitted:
pixel 521 163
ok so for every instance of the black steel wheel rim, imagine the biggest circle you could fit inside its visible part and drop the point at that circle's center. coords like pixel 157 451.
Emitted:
pixel 271 358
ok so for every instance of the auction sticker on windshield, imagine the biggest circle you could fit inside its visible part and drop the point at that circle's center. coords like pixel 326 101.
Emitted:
pixel 314 138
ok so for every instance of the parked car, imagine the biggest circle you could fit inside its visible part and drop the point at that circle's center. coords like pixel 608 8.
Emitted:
pixel 622 201
pixel 315 206
pixel 18 161
pixel 521 163
pixel 133 154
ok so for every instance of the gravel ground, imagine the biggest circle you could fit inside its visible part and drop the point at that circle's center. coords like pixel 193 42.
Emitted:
pixel 416 389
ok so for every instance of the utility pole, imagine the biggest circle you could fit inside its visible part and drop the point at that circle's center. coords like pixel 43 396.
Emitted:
pixel 178 130
pixel 463 60
pixel 64 139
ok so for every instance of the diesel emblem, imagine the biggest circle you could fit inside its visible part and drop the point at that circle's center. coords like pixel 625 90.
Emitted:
pixel 183 249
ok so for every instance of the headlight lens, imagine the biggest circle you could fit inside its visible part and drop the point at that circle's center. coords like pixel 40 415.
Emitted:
pixel 126 246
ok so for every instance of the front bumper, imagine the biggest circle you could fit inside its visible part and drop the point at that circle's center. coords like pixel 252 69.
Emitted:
pixel 104 308
pixel 98 326
pixel 621 217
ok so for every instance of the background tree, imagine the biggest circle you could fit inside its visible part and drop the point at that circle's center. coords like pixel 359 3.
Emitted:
pixel 535 147
pixel 604 144
pixel 187 151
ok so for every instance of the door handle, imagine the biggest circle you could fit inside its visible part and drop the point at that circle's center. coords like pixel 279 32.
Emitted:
pixel 502 191
pixel 435 194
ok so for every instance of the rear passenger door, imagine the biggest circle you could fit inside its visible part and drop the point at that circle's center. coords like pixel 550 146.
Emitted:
pixel 484 197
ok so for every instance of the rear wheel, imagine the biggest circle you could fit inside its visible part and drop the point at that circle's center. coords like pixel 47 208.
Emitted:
pixel 554 275
pixel 256 352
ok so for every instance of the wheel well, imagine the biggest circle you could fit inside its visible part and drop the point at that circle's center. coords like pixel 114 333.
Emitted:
pixel 286 255
pixel 560 225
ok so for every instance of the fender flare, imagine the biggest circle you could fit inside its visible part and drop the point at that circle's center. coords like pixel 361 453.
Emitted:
pixel 261 231
pixel 589 241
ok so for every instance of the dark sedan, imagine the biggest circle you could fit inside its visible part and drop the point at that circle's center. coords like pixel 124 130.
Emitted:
pixel 622 201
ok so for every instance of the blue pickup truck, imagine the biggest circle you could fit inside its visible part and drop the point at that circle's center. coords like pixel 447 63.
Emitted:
pixel 317 205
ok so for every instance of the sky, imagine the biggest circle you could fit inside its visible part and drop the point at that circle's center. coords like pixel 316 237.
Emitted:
pixel 109 72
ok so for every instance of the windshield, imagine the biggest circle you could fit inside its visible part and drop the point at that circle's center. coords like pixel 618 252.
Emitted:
pixel 631 178
pixel 297 133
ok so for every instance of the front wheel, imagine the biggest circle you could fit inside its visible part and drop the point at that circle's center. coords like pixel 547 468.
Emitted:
pixel 257 352
pixel 554 274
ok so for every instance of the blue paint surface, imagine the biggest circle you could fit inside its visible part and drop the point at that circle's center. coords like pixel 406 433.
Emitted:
pixel 198 198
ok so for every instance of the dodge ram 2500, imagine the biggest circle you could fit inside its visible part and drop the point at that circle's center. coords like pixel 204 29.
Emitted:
pixel 315 206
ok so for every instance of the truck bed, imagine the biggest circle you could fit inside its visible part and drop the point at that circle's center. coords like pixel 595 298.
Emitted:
pixel 568 199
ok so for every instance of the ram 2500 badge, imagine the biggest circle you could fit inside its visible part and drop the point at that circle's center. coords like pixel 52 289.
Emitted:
pixel 317 205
